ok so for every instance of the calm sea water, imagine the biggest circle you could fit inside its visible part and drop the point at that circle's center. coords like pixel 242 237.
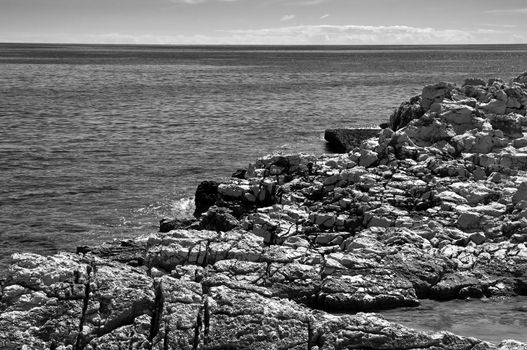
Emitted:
pixel 489 320
pixel 99 142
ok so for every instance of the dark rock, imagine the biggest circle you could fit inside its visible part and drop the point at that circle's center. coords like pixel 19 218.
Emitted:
pixel 166 225
pixel 522 78
pixel 474 82
pixel 519 238
pixel 436 93
pixel 471 292
pixel 218 219
pixel 421 269
pixel 510 228
pixel 239 174
pixel 510 126
pixel 205 197
pixel 451 285
pixel 406 112
pixel 344 140
pixel 478 238
pixel 491 81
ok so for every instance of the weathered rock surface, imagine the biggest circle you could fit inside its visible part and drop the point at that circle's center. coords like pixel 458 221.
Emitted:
pixel 82 302
pixel 291 252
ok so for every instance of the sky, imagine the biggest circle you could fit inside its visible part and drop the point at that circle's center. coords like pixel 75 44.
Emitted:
pixel 273 22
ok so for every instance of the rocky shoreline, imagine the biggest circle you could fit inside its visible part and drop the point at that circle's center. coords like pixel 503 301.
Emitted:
pixel 298 251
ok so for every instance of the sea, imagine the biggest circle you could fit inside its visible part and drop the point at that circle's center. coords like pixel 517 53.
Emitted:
pixel 100 142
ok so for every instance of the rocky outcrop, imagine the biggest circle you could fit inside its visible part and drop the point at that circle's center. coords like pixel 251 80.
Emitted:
pixel 296 251
pixel 83 302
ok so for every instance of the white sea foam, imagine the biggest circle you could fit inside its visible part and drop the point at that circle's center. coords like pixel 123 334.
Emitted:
pixel 183 207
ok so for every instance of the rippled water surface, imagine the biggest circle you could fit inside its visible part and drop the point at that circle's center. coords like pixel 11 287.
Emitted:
pixel 490 320
pixel 103 141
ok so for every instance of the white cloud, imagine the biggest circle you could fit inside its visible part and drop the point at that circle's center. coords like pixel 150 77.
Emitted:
pixel 366 35
pixel 287 18
pixel 519 10
pixel 500 25
pixel 324 16
pixel 301 35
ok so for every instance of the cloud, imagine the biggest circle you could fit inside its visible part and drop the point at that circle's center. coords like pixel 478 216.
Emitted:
pixel 368 35
pixel 325 16
pixel 287 18
pixel 300 35
pixel 500 25
pixel 519 10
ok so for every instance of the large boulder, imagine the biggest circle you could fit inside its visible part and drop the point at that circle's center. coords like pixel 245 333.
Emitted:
pixel 479 141
pixel 406 112
pixel 510 124
pixel 206 196
pixel 493 107
pixel 474 82
pixel 428 130
pixel 436 94
pixel 461 117
pixel 521 194
pixel 521 79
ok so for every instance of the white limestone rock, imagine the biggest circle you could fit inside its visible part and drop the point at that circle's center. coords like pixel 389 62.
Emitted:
pixel 435 93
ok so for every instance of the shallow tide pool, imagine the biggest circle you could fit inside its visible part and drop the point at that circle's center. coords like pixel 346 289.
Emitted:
pixel 490 320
